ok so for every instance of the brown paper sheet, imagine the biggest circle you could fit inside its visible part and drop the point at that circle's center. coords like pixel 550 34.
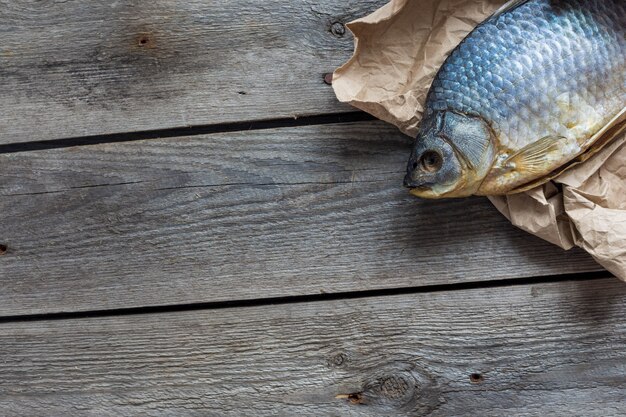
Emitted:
pixel 398 50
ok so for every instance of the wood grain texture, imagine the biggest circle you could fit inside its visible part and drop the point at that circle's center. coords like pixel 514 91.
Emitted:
pixel 554 349
pixel 246 215
pixel 74 68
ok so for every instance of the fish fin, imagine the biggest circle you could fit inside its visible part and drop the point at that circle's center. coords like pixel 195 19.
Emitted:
pixel 532 158
pixel 508 6
pixel 613 129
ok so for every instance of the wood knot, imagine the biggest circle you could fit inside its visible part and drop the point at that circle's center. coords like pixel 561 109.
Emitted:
pixel 3 249
pixel 338 29
pixel 398 389
pixel 394 387
pixel 337 360
pixel 399 385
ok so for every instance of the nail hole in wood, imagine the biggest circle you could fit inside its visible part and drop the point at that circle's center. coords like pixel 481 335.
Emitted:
pixel 476 378
pixel 146 40
pixel 354 398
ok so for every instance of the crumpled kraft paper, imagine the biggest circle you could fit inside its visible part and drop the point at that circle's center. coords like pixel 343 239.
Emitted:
pixel 398 50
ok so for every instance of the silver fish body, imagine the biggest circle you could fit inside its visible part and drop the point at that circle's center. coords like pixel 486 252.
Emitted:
pixel 526 92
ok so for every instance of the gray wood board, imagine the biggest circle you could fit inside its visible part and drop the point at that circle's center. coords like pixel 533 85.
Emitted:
pixel 552 349
pixel 74 68
pixel 267 213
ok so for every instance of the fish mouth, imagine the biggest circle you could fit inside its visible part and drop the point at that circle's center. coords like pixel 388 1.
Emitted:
pixel 420 189
pixel 411 184
pixel 421 192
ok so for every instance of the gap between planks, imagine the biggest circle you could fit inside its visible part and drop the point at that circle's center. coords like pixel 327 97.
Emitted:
pixel 528 351
pixel 70 68
pixel 76 243
pixel 275 301
pixel 320 119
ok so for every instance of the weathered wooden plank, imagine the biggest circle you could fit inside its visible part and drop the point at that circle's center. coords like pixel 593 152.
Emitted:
pixel 538 350
pixel 73 68
pixel 240 216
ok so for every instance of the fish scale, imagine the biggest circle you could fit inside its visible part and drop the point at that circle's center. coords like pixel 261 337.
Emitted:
pixel 516 85
pixel 534 90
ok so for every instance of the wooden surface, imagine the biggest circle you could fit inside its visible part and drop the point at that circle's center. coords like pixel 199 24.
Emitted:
pixel 267 213
pixel 533 350
pixel 73 69
pixel 177 240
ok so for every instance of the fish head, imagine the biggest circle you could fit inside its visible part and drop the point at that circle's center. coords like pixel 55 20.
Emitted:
pixel 451 156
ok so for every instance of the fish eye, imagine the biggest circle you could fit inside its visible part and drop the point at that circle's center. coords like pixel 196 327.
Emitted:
pixel 431 161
